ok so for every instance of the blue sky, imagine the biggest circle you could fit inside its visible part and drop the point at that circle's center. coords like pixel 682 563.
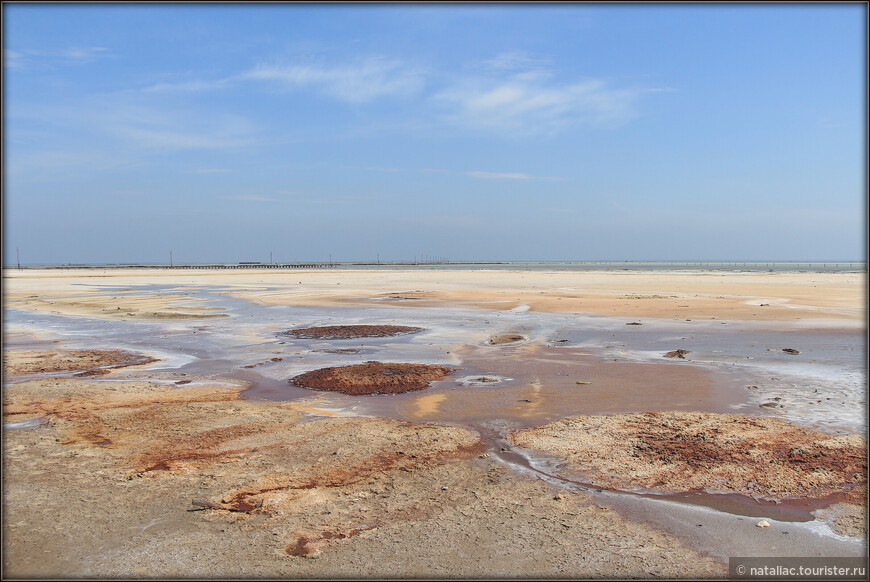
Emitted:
pixel 472 132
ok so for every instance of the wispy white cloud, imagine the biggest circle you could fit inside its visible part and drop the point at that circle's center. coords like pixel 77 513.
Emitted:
pixel 13 59
pixel 513 60
pixel 79 54
pixel 506 176
pixel 164 129
pixel 192 86
pixel 51 165
pixel 532 106
pixel 358 82
pixel 26 58
pixel 121 126
pixel 516 93
pixel 162 138
pixel 302 197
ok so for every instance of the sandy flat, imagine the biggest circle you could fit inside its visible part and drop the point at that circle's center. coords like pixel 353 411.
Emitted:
pixel 778 296
pixel 116 467
pixel 101 473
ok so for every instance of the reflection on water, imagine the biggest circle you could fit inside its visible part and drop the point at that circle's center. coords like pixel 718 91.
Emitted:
pixel 547 383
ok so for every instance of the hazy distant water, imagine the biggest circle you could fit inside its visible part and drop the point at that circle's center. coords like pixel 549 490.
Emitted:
pixel 626 265
pixel 731 266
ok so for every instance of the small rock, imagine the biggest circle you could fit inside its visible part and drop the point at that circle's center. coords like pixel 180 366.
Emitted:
pixel 634 323
pixel 678 354
pixel 790 351
pixel 444 488
pixel 763 523
pixel 483 456
pixel 768 405
pixel 581 382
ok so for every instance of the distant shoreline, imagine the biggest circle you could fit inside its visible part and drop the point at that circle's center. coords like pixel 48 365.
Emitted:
pixel 823 266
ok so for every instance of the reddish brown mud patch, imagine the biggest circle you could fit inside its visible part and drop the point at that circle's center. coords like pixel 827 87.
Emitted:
pixel 351 331
pixel 506 338
pixel 88 362
pixel 686 451
pixel 95 372
pixel 201 449
pixel 372 378
pixel 309 545
pixel 249 499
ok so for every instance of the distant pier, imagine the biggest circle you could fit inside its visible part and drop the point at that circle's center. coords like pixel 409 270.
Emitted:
pixel 260 266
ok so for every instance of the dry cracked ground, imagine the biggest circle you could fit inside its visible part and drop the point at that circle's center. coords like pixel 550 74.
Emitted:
pixel 105 478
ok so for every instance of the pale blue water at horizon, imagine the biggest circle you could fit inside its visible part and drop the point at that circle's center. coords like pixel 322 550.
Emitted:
pixel 762 266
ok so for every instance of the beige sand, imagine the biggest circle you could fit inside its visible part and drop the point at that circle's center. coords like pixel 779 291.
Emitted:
pixel 785 295
pixel 103 487
pixel 765 458
pixel 683 451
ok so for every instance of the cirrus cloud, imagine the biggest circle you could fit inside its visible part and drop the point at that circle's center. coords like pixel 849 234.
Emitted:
pixel 528 104
pixel 358 82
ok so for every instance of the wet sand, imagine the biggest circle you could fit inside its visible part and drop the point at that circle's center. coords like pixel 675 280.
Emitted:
pixel 293 482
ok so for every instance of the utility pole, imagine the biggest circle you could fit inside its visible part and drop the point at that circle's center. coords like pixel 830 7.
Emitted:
pixel 379 258
pixel 330 259
pixel 170 259
pixel 270 257
pixel 18 258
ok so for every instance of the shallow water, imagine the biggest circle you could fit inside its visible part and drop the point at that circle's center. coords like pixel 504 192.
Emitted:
pixel 568 365
pixel 822 387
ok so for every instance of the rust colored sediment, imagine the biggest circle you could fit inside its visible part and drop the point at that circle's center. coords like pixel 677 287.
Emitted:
pixel 95 372
pixel 351 331
pixel 305 545
pixel 248 499
pixel 87 362
pixel 505 338
pixel 372 378
pixel 201 448
pixel 682 451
